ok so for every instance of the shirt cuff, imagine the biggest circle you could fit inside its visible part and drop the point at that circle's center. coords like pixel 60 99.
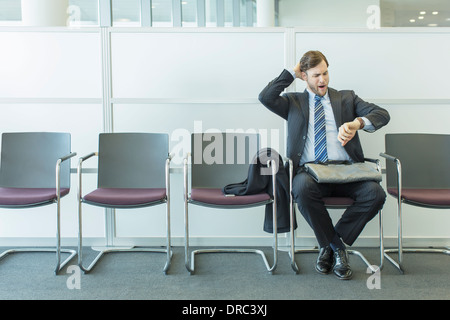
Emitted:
pixel 368 126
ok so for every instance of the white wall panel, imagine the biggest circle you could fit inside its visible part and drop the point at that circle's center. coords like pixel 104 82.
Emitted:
pixel 180 120
pixel 83 121
pixel 195 65
pixel 50 65
pixel 384 65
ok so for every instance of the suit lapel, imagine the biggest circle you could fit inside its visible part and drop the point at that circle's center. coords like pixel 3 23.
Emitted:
pixel 304 103
pixel 336 105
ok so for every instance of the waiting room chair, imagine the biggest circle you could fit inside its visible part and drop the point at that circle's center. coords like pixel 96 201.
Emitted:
pixel 334 203
pixel 417 172
pixel 35 171
pixel 232 157
pixel 133 172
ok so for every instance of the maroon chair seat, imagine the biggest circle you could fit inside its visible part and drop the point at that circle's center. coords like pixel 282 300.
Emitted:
pixel 425 197
pixel 28 196
pixel 217 197
pixel 125 196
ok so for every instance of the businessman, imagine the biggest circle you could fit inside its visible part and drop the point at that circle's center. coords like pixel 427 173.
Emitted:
pixel 323 125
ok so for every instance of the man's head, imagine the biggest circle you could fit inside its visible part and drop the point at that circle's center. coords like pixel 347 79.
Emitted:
pixel 314 70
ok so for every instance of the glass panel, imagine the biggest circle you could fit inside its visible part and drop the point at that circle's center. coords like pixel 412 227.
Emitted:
pixel 80 13
pixel 431 13
pixel 364 13
pixel 189 13
pixel 161 13
pixel 243 12
pixel 211 13
pixel 10 13
pixel 228 4
pixel 83 13
pixel 126 13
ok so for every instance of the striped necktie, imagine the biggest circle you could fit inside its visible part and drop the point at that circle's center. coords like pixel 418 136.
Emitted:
pixel 320 134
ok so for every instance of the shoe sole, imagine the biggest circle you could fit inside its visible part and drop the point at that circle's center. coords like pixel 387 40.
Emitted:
pixel 321 272
pixel 343 278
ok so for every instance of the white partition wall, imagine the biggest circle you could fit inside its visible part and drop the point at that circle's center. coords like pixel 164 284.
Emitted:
pixel 51 80
pixel 181 80
pixel 186 81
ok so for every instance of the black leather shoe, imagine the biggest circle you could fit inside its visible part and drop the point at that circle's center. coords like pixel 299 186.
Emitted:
pixel 324 261
pixel 341 267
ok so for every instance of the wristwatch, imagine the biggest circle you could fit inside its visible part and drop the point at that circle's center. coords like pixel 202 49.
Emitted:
pixel 361 122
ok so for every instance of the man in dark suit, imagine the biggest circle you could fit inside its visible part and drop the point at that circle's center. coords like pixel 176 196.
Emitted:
pixel 340 114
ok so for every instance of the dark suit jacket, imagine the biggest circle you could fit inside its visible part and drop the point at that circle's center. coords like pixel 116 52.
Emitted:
pixel 258 183
pixel 294 107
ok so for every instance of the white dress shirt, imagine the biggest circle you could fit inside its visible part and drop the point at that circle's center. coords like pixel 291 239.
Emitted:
pixel 334 148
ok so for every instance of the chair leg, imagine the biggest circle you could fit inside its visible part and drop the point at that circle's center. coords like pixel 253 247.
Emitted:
pixel 400 249
pixel 105 250
pixel 190 256
pixel 59 265
pixel 372 267
pixel 73 253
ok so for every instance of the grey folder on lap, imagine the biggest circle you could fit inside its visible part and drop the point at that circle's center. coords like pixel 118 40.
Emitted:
pixel 342 173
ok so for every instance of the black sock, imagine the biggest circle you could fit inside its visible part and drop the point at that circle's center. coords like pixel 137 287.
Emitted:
pixel 337 243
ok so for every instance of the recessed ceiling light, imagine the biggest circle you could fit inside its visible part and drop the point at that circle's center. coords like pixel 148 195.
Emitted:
pixel 432 24
pixel 421 18
pixel 435 12
pixel 423 12
pixel 412 20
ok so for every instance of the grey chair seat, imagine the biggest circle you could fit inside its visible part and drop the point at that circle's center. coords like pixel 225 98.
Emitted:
pixel 217 197
pixel 28 196
pixel 125 196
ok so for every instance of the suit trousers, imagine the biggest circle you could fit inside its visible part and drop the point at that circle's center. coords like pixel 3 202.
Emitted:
pixel 368 196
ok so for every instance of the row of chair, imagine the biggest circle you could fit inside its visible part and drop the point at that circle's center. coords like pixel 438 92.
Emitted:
pixel 133 172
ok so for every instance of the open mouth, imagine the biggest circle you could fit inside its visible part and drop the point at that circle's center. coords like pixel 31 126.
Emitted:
pixel 322 87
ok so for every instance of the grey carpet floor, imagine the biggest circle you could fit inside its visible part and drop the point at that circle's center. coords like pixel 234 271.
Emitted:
pixel 139 276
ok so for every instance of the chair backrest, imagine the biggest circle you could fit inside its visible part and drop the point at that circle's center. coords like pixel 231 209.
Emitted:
pixel 28 159
pixel 132 160
pixel 221 158
pixel 425 160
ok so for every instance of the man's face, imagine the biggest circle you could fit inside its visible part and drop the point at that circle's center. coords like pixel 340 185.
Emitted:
pixel 317 78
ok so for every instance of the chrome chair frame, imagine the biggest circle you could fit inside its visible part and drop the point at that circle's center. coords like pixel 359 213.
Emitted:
pixel 190 263
pixel 400 249
pixel 58 250
pixel 167 250
pixel 294 251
